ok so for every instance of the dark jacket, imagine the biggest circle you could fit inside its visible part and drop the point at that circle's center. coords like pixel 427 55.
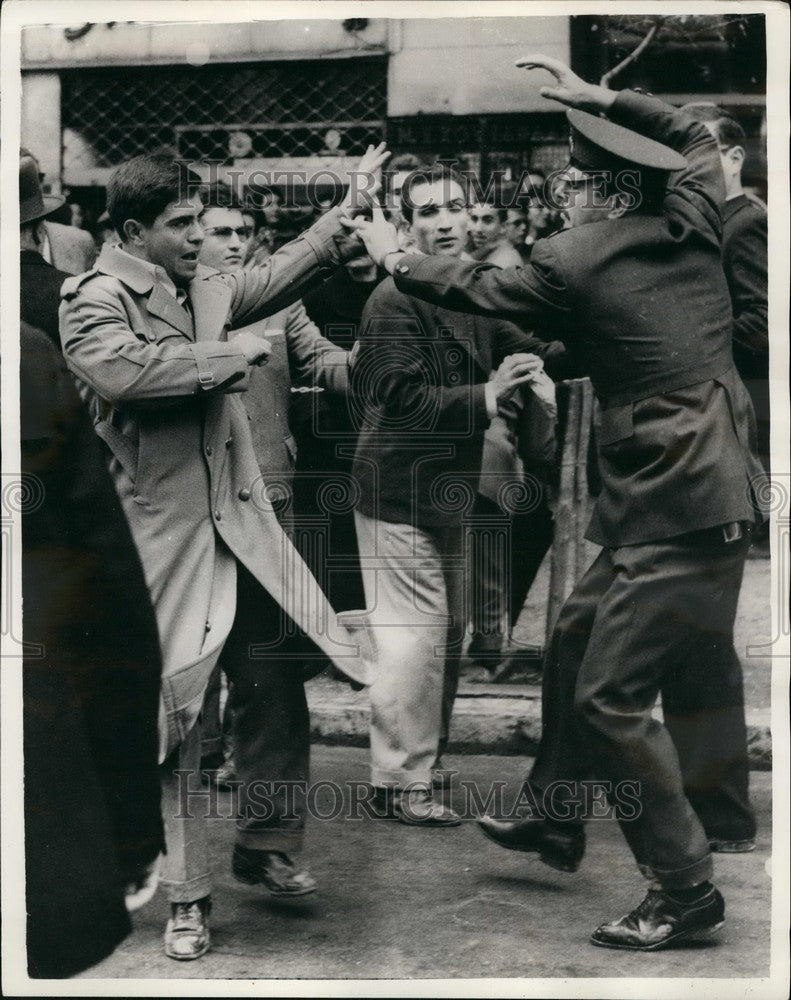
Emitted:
pixel 744 259
pixel 643 303
pixel 91 681
pixel 39 293
pixel 418 383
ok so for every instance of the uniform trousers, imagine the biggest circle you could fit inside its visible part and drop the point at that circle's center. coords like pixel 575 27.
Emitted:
pixel 263 660
pixel 640 615
pixel 414 590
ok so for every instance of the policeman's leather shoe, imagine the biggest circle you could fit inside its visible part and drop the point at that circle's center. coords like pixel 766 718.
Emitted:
pixel 556 846
pixel 417 808
pixel 273 869
pixel 187 931
pixel 661 921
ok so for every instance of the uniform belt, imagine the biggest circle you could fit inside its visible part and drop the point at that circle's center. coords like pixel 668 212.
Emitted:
pixel 666 383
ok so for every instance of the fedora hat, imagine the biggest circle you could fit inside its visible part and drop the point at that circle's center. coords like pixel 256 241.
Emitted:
pixel 32 203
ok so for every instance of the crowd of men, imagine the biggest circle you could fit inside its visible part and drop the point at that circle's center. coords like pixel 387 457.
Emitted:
pixel 262 460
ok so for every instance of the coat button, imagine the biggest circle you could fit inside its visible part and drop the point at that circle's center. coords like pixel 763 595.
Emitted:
pixel 228 442
pixel 151 336
pixel 244 494
pixel 208 626
pixel 208 449
pixel 402 269
pixel 217 515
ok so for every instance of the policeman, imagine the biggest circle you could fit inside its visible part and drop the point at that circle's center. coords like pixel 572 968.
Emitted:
pixel 635 288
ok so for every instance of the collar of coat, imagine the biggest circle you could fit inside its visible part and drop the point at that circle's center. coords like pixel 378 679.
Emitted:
pixel 210 299
pixel 140 275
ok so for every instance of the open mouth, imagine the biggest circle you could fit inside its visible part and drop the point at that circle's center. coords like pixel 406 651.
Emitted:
pixel 192 256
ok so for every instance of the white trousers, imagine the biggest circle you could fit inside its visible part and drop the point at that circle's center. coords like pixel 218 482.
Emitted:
pixel 414 592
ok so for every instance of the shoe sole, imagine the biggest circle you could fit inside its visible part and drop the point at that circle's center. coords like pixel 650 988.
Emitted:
pixel 427 822
pixel 290 893
pixel 551 862
pixel 700 933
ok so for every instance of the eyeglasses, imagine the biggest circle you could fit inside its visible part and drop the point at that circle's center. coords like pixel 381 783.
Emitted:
pixel 226 232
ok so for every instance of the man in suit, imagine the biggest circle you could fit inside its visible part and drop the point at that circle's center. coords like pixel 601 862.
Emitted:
pixel 424 398
pixel 145 332
pixel 634 286
pixel 298 354
pixel 40 282
pixel 66 248
pixel 745 261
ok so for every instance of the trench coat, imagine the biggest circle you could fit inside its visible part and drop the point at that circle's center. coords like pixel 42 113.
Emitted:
pixel 164 393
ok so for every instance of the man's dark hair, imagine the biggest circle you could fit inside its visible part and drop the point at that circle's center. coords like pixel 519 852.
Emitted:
pixel 428 175
pixel 499 200
pixel 727 130
pixel 144 186
pixel 220 195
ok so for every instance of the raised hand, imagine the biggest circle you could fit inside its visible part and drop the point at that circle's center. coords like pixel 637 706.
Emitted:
pixel 365 181
pixel 378 235
pixel 570 89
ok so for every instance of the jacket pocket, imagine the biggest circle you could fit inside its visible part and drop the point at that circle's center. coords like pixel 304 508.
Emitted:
pixel 617 424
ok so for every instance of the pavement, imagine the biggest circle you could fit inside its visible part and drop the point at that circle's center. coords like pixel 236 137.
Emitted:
pixel 396 902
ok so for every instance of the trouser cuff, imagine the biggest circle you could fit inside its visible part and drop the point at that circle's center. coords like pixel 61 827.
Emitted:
pixel 187 892
pixel 681 878
pixel 286 841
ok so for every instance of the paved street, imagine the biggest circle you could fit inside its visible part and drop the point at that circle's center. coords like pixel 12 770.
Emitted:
pixel 399 902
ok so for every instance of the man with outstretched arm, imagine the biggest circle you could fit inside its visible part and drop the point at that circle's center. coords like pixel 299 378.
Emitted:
pixel 635 288
pixel 146 333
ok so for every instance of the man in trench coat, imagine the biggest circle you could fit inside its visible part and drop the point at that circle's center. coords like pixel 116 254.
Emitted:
pixel 635 289
pixel 145 332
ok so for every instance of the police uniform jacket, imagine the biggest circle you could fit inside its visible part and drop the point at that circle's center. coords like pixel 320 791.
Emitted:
pixel 164 388
pixel 643 303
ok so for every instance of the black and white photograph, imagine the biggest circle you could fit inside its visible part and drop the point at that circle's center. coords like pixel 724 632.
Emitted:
pixel 396 502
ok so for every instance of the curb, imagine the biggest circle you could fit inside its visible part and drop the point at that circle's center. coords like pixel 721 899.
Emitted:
pixel 487 719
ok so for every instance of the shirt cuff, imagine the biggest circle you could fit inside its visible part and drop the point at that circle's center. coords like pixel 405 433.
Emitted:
pixel 491 400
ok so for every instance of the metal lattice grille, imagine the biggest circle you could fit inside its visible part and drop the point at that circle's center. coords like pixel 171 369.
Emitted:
pixel 284 109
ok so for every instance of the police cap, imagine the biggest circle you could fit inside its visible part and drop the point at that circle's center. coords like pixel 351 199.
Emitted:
pixel 599 144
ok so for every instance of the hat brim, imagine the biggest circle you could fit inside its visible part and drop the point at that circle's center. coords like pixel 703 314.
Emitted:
pixel 624 144
pixel 48 204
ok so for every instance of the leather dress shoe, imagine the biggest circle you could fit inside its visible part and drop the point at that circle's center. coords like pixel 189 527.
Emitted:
pixel 187 931
pixel 661 921
pixel 274 869
pixel 417 808
pixel 556 846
